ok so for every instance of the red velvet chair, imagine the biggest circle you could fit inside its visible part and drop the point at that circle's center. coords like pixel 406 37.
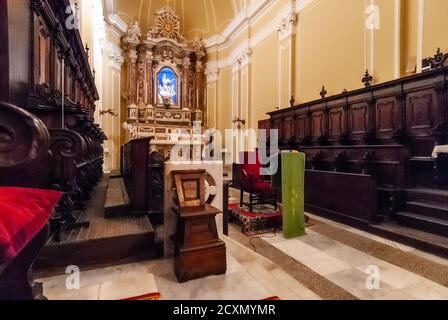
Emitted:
pixel 260 191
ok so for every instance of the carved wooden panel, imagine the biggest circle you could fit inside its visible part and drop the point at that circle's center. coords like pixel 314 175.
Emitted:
pixel 358 119
pixel 264 124
pixel 301 125
pixel 385 121
pixel 288 128
pixel 43 52
pixel 317 124
pixel 336 122
pixel 277 124
pixel 420 110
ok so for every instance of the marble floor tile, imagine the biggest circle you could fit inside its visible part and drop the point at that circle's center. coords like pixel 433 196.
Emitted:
pixel 427 290
pixel 128 287
pixel 311 257
pixel 395 295
pixel 399 278
pixel 319 242
pixel 354 258
pixel 84 293
pixel 324 264
pixel 355 282
pixel 302 292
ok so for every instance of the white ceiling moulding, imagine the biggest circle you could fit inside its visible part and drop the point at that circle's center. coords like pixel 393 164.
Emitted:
pixel 241 21
pixel 112 18
pixel 244 19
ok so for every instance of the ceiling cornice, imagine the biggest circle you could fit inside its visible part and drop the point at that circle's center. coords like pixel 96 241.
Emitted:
pixel 244 19
pixel 112 19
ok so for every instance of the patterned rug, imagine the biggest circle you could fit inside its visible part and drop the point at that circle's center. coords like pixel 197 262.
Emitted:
pixel 264 219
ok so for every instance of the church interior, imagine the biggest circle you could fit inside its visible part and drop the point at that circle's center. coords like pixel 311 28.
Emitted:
pixel 223 150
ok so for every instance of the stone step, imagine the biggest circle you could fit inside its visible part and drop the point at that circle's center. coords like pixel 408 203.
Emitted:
pixel 427 195
pixel 412 237
pixel 429 224
pixel 428 209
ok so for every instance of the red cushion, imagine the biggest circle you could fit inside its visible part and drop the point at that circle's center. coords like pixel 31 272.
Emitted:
pixel 258 187
pixel 252 169
pixel 23 213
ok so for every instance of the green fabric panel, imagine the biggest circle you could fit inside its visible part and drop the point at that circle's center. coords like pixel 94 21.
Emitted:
pixel 293 184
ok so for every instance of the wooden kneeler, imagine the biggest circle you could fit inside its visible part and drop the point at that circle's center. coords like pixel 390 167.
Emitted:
pixel 198 250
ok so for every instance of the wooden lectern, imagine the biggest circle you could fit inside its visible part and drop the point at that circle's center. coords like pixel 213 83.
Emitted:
pixel 198 250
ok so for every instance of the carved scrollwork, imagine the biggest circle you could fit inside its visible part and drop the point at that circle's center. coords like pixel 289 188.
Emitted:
pixel 67 143
pixel 437 61
pixel 23 137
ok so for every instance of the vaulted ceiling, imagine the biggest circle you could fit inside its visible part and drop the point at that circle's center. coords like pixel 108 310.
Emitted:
pixel 198 17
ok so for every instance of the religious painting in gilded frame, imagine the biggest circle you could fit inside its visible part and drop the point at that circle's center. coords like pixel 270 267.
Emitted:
pixel 167 87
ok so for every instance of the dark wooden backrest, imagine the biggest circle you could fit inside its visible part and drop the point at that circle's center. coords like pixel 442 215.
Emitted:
pixel 24 148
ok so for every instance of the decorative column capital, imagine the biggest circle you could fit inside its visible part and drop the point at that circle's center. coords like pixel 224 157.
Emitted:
pixel 198 66
pixel 235 65
pixel 132 56
pixel 149 57
pixel 114 55
pixel 186 63
pixel 245 57
pixel 287 25
pixel 241 60
pixel 212 75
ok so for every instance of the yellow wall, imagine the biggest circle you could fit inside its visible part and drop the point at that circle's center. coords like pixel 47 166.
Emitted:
pixel 332 47
pixel 436 24
pixel 224 99
pixel 265 77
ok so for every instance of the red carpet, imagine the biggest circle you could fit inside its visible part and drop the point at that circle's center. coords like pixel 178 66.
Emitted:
pixel 264 220
pixel 146 297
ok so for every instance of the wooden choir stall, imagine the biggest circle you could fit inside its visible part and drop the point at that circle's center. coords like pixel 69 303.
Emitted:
pixel 45 70
pixel 374 146
pixel 24 210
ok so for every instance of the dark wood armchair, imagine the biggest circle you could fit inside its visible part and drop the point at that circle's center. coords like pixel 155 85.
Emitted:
pixel 252 181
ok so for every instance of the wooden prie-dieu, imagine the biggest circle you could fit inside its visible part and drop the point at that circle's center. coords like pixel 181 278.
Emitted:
pixel 44 69
pixel 198 250
pixel 369 151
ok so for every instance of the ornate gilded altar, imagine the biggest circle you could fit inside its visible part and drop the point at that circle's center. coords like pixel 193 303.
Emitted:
pixel 165 82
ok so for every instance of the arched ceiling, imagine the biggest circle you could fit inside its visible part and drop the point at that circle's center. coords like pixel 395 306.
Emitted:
pixel 198 17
